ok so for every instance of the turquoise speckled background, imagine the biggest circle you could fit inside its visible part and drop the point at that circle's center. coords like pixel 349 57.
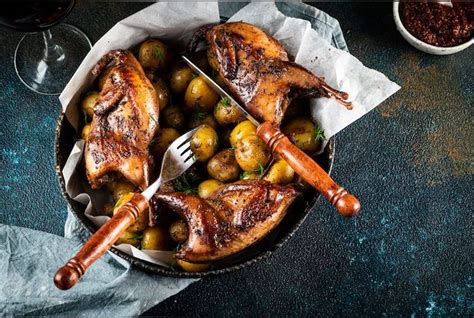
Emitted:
pixel 409 253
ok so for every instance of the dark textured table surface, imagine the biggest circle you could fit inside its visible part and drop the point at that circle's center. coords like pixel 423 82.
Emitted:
pixel 410 161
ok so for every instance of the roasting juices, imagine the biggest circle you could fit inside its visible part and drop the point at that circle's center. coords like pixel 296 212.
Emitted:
pixel 438 24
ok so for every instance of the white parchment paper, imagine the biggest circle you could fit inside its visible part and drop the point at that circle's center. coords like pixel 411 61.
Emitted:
pixel 176 22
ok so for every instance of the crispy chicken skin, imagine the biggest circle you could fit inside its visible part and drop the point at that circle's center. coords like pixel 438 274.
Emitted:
pixel 233 218
pixel 256 69
pixel 124 122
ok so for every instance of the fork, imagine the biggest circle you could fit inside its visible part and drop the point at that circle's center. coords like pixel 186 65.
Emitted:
pixel 176 160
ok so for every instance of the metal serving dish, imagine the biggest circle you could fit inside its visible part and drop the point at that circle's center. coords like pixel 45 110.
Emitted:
pixel 297 213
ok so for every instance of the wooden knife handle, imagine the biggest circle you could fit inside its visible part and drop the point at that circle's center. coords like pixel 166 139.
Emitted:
pixel 308 169
pixel 68 275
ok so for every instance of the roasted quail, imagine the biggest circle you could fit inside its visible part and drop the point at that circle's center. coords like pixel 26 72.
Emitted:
pixel 233 218
pixel 256 69
pixel 124 122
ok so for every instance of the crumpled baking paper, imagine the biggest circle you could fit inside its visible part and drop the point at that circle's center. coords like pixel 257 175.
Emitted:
pixel 175 22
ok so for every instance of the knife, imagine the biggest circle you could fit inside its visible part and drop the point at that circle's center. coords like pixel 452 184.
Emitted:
pixel 346 203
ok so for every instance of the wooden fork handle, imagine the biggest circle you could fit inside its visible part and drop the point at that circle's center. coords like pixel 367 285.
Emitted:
pixel 309 170
pixel 68 275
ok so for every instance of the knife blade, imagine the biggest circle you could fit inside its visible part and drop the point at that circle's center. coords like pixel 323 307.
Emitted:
pixel 346 203
pixel 222 93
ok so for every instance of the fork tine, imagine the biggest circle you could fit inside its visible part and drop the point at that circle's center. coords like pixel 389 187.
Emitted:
pixel 185 154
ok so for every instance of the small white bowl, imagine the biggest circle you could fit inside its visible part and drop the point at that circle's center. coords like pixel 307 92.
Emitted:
pixel 422 46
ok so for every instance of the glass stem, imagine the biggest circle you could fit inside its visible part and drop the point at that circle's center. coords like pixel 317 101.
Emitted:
pixel 53 53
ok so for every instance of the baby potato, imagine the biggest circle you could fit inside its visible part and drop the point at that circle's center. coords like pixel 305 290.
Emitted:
pixel 88 103
pixel 173 117
pixel 142 220
pixel 226 113
pixel 162 92
pixel 120 187
pixel 154 54
pixel 200 118
pixel 207 187
pixel 249 175
pixel 204 143
pixel 242 130
pixel 223 166
pixel 280 172
pixel 129 238
pixel 86 131
pixel 181 76
pixel 103 77
pixel 163 139
pixel 192 267
pixel 251 153
pixel 179 231
pixel 199 96
pixel 302 132
pixel 155 238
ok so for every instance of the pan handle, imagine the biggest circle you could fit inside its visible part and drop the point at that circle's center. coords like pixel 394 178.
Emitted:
pixel 68 275
pixel 309 170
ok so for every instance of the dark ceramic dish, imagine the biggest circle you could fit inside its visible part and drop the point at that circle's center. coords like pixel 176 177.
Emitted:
pixel 296 214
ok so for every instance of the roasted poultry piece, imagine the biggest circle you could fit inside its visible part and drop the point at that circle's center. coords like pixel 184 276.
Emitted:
pixel 255 68
pixel 124 122
pixel 233 218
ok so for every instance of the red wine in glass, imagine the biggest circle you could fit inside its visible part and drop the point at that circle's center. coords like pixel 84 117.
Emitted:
pixel 33 16
pixel 46 60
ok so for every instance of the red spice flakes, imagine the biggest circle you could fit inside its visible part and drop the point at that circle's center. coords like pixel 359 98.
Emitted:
pixel 438 24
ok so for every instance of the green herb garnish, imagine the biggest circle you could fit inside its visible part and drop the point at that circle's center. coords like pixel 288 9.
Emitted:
pixel 193 76
pixel 182 184
pixel 260 170
pixel 200 115
pixel 319 134
pixel 225 101
pixel 158 53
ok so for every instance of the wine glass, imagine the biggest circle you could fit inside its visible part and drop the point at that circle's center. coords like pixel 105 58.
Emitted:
pixel 44 60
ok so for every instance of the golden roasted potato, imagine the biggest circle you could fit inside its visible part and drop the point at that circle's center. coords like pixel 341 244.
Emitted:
pixel 179 231
pixel 142 220
pixel 223 166
pixel 304 134
pixel 200 118
pixel 88 103
pixel 103 77
pixel 162 92
pixel 192 267
pixel 204 143
pixel 207 187
pixel 155 238
pixel 129 238
pixel 252 154
pixel 108 209
pixel 173 117
pixel 181 76
pixel 120 187
pixel 249 175
pixel 226 113
pixel 242 130
pixel 163 139
pixel 154 54
pixel 280 172
pixel 199 96
pixel 86 131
